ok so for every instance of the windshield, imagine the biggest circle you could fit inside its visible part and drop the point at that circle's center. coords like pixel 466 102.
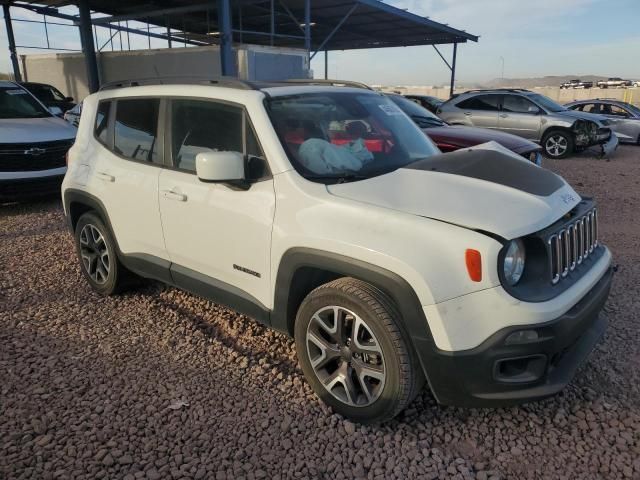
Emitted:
pixel 46 93
pixel 423 117
pixel 546 103
pixel 345 136
pixel 633 108
pixel 17 103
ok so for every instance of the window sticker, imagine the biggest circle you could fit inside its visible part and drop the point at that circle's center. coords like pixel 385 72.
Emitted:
pixel 390 109
pixel 16 92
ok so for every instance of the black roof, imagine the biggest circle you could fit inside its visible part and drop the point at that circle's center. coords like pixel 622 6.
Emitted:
pixel 371 24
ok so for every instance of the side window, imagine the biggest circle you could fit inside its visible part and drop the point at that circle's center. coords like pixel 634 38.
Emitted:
pixel 591 108
pixel 517 104
pixel 618 111
pixel 102 122
pixel 136 128
pixel 202 126
pixel 481 102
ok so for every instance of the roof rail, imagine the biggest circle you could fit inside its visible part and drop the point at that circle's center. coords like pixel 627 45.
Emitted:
pixel 229 82
pixel 517 90
pixel 334 83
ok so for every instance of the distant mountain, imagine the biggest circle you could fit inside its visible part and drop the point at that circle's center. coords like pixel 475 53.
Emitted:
pixel 548 81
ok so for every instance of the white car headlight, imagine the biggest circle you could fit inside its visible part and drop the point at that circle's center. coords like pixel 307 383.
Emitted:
pixel 514 261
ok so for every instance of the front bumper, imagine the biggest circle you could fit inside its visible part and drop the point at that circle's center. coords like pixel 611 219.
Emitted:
pixel 498 374
pixel 610 145
pixel 26 188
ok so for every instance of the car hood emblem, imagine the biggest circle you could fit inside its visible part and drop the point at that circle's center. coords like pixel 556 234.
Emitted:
pixel 35 151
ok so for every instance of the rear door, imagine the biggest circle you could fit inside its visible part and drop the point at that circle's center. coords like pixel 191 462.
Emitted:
pixel 127 161
pixel 481 110
pixel 519 116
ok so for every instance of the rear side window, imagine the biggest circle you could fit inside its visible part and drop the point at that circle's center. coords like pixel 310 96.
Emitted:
pixel 102 122
pixel 201 126
pixel 136 128
pixel 481 102
pixel 591 108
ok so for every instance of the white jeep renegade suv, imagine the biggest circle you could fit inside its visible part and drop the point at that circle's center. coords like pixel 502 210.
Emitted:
pixel 324 212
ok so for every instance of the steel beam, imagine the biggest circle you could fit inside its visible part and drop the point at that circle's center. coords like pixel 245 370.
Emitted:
pixel 307 26
pixel 326 64
pixel 335 29
pixel 453 69
pixel 153 13
pixel 88 48
pixel 227 63
pixel 12 44
pixel 54 13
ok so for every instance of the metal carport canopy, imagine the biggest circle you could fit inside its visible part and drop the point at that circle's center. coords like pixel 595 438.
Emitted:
pixel 317 25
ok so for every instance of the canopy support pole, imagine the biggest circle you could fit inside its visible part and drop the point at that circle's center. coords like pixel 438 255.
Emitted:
pixel 12 44
pixel 88 48
pixel 453 70
pixel 226 38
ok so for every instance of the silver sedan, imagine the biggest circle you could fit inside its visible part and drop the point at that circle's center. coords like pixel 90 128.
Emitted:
pixel 624 118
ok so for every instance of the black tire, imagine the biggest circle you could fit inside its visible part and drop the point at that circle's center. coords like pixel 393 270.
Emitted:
pixel 90 258
pixel 554 140
pixel 403 377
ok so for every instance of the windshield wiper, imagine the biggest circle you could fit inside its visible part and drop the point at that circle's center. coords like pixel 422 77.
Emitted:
pixel 421 120
pixel 339 178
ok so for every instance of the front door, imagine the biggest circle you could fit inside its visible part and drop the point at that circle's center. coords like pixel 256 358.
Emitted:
pixel 519 116
pixel 218 236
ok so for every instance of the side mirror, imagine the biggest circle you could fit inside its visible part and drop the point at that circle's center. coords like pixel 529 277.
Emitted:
pixel 533 109
pixel 57 111
pixel 221 167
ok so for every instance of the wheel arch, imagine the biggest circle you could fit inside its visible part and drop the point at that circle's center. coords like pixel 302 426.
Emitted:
pixel 78 203
pixel 552 128
pixel 303 269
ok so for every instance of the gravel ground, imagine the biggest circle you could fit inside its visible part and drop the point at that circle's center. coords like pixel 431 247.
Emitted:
pixel 159 384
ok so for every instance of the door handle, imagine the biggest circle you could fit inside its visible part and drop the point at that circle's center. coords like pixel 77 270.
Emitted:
pixel 467 113
pixel 171 195
pixel 105 177
pixel 503 115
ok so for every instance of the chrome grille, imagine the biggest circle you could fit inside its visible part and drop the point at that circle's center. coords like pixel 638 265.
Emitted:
pixel 572 244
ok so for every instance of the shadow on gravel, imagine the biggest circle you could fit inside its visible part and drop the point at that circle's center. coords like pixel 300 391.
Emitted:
pixel 216 333
pixel 35 205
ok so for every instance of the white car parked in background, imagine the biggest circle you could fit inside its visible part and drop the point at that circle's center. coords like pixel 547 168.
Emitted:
pixel 326 213
pixel 33 145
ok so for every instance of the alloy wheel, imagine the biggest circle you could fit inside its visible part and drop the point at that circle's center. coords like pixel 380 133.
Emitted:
pixel 346 356
pixel 94 254
pixel 556 145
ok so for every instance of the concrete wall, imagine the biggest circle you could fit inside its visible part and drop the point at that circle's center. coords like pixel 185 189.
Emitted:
pixel 66 71
pixel 631 95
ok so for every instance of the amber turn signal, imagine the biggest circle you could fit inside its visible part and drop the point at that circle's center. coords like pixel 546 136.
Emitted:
pixel 473 260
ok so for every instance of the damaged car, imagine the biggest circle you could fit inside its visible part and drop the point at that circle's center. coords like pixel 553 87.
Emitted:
pixel 450 139
pixel 559 130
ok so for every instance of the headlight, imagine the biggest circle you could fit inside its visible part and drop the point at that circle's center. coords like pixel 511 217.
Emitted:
pixel 514 259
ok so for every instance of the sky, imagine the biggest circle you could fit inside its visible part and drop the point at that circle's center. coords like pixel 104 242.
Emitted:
pixel 535 38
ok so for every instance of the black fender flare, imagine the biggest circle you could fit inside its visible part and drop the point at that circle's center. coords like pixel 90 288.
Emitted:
pixel 141 264
pixel 412 314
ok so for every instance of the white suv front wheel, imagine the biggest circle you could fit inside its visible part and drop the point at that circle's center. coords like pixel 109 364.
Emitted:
pixel 354 353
